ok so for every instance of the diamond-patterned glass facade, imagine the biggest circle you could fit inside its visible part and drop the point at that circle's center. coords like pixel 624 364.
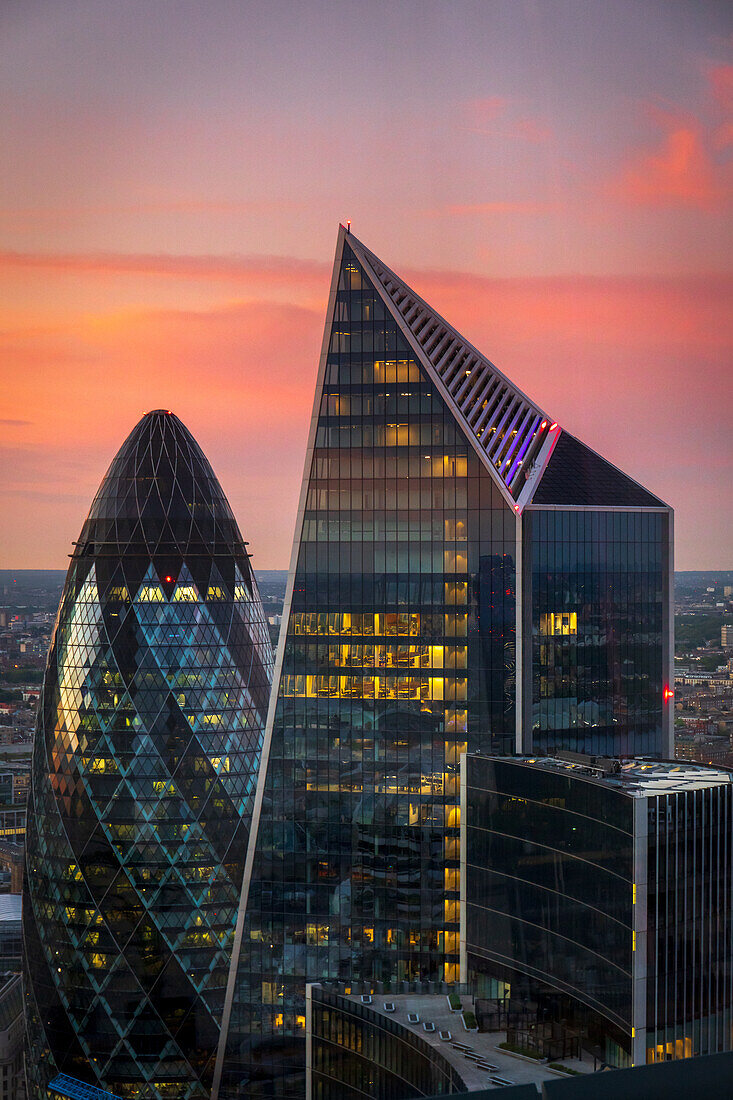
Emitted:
pixel 144 771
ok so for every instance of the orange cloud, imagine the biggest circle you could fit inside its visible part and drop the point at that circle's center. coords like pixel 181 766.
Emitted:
pixel 596 352
pixel 267 270
pixel 241 375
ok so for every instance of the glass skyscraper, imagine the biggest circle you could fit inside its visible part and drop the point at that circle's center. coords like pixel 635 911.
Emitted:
pixel 600 893
pixel 465 576
pixel 145 760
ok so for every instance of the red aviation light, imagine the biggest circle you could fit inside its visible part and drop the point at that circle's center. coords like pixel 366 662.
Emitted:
pixel 667 694
pixel 168 580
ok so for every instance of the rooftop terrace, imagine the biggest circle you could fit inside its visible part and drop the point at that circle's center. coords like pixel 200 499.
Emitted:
pixel 639 777
pixel 476 1055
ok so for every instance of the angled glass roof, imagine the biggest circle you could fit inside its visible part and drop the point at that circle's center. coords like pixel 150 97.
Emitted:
pixel 529 455
pixel 71 1087
pixel 576 475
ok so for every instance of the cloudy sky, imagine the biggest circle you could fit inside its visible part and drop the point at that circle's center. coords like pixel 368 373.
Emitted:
pixel 553 176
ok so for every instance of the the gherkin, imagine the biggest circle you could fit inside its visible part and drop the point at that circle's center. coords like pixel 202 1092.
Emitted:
pixel 144 770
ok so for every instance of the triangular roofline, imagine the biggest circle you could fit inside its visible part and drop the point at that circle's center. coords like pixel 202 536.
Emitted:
pixel 519 492
pixel 511 412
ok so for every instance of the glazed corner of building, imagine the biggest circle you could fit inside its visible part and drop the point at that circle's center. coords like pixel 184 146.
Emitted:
pixel 659 825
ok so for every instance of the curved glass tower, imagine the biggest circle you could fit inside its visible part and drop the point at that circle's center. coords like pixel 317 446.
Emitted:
pixel 144 770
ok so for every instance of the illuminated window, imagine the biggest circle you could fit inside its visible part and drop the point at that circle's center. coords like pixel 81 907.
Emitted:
pixel 456 624
pixel 559 623
pixel 185 594
pixel 455 592
pixel 452 911
pixel 452 847
pixel 450 942
pixel 396 370
pixel 151 593
pixel 452 879
pixel 455 561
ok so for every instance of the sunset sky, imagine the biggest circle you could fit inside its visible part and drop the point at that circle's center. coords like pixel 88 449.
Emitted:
pixel 553 176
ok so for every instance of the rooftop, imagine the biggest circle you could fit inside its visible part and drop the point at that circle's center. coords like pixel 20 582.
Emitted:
pixel 467 1051
pixel 10 907
pixel 640 777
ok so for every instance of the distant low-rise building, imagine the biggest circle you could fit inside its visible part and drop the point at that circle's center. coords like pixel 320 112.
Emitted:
pixel 703 748
pixel 10 933
pixel 11 1038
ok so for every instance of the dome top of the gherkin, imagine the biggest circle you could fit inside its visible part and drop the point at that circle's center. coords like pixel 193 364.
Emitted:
pixel 159 491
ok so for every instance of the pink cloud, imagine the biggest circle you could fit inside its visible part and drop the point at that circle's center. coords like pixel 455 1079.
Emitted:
pixel 483 112
pixel 493 115
pixel 70 212
pixel 721 86
pixel 680 170
pixel 534 130
pixel 721 89
pixel 509 206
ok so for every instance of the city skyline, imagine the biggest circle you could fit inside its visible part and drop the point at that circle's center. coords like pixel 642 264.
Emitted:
pixel 555 182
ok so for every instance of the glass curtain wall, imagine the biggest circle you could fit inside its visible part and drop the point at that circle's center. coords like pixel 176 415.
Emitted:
pixel 690 924
pixel 550 884
pixel 399 654
pixel 598 616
